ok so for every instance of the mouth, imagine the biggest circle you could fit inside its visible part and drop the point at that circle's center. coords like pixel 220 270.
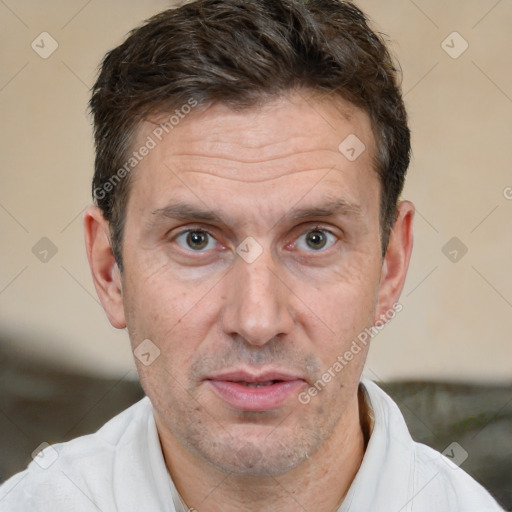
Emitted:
pixel 259 384
pixel 246 391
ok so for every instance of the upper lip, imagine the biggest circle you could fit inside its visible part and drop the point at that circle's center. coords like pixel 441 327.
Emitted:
pixel 245 376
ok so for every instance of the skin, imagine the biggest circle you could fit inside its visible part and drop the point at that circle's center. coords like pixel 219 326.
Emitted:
pixel 295 308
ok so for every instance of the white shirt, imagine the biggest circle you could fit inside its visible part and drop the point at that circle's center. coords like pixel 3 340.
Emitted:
pixel 121 468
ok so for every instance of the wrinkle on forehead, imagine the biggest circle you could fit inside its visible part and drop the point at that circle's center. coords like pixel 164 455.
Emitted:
pixel 279 144
pixel 277 129
pixel 296 152
pixel 256 177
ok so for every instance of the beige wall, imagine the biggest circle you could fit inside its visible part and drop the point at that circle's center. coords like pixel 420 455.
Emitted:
pixel 457 317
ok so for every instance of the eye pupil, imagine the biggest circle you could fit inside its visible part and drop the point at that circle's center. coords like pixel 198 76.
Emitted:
pixel 316 239
pixel 197 240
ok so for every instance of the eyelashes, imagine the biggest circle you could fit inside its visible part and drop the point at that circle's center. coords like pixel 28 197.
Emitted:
pixel 199 240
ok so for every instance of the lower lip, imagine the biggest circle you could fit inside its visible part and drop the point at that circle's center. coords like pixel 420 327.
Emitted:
pixel 264 398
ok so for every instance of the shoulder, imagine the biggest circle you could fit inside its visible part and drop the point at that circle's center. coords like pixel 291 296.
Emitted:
pixel 446 484
pixel 424 479
pixel 65 476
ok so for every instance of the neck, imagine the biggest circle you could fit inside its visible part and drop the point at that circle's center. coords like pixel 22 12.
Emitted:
pixel 320 483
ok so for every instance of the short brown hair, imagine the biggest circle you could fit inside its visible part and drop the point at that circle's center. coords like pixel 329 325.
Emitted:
pixel 241 53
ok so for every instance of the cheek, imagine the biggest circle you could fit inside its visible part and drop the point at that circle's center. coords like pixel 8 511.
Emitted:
pixel 175 316
pixel 159 302
pixel 343 309
pixel 171 319
pixel 344 300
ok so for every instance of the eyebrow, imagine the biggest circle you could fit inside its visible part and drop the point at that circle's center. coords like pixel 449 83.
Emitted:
pixel 328 209
pixel 186 211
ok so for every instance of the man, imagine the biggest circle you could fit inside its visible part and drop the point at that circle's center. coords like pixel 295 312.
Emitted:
pixel 247 232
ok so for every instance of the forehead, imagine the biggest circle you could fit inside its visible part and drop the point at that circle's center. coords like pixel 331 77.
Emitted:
pixel 288 142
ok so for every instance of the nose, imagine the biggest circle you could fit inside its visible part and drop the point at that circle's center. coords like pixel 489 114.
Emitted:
pixel 257 307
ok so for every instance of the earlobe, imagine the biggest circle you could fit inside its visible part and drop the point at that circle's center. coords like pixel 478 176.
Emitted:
pixel 396 260
pixel 104 270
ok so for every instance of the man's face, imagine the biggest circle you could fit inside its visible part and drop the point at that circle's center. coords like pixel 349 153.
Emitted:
pixel 252 260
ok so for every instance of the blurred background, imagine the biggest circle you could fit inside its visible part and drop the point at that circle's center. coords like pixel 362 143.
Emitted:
pixel 446 358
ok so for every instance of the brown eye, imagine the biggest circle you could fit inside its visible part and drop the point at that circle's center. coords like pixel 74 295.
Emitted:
pixel 316 239
pixel 195 240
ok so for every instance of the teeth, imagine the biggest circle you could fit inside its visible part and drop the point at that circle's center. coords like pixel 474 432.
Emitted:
pixel 258 384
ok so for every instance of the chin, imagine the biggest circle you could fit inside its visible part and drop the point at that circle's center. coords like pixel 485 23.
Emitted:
pixel 250 460
pixel 258 455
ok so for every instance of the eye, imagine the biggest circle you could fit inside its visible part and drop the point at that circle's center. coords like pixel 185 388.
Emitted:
pixel 196 240
pixel 316 239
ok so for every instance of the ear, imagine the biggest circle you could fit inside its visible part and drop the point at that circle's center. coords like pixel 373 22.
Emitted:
pixel 105 272
pixel 396 260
